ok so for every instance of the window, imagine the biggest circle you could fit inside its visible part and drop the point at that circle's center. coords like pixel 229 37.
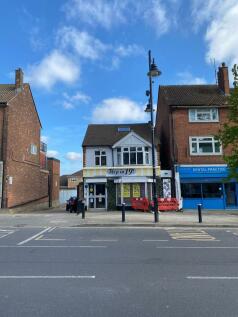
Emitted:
pixel 203 115
pixel 100 158
pixel 191 190
pixel 204 146
pixel 212 190
pixel 124 129
pixel 147 159
pixel 33 149
pixel 118 156
pixel 133 155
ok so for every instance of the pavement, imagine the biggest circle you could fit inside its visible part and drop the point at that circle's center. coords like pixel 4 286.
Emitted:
pixel 60 218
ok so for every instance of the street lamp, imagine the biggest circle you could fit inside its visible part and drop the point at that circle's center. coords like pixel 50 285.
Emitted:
pixel 153 72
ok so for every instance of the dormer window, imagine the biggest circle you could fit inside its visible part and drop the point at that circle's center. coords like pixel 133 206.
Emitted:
pixel 203 115
pixel 100 158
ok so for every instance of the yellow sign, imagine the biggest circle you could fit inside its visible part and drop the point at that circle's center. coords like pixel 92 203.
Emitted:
pixel 136 190
pixel 126 191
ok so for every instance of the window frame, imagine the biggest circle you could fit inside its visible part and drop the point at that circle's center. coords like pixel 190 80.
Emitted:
pixel 139 151
pixel 99 157
pixel 213 142
pixel 196 120
pixel 33 149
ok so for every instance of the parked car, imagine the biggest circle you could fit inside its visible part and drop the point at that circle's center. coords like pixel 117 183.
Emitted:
pixel 71 204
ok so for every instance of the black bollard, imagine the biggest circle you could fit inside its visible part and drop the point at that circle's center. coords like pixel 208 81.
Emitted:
pixel 200 213
pixel 83 210
pixel 123 213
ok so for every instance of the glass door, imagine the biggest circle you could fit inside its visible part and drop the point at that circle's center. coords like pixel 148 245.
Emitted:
pixel 97 196
pixel 231 199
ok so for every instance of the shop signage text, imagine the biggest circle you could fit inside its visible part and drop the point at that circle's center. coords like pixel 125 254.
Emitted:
pixel 121 172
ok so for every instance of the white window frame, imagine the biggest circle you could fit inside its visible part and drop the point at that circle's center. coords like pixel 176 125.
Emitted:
pixel 197 141
pixel 100 155
pixel 205 110
pixel 144 154
pixel 33 149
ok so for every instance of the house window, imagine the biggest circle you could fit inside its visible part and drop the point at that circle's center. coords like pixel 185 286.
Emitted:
pixel 100 158
pixel 204 146
pixel 118 156
pixel 133 155
pixel 33 149
pixel 147 159
pixel 203 115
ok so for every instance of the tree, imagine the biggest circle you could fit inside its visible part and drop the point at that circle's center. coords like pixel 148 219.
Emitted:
pixel 228 135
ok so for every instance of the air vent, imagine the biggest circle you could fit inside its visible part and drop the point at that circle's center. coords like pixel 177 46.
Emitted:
pixel 124 129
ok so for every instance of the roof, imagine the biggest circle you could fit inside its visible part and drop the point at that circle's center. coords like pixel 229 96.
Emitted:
pixel 7 92
pixel 78 173
pixel 108 134
pixel 197 95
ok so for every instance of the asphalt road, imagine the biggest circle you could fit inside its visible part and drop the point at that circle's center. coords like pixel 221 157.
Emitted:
pixel 118 272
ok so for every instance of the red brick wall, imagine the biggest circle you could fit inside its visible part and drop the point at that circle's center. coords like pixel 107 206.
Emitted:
pixel 23 129
pixel 182 129
pixel 54 170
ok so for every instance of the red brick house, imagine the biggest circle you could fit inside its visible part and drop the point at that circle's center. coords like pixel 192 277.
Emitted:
pixel 188 118
pixel 24 174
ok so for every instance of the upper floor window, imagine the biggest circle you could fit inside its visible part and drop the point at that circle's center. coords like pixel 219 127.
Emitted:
pixel 133 155
pixel 33 149
pixel 100 158
pixel 203 115
pixel 204 146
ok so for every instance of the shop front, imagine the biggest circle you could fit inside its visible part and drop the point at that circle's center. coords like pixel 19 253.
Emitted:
pixel 207 185
pixel 107 188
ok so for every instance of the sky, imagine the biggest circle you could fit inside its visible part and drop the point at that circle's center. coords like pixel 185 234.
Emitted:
pixel 86 61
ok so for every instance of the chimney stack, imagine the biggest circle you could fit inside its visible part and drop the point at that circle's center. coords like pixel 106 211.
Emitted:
pixel 19 79
pixel 223 79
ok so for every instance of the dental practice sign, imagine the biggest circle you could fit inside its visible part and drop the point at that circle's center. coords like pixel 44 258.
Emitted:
pixel 202 171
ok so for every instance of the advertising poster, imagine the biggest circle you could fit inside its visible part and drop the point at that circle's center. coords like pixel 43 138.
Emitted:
pixel 136 190
pixel 126 190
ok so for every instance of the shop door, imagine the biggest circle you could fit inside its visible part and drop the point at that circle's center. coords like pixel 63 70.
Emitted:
pixel 231 199
pixel 97 196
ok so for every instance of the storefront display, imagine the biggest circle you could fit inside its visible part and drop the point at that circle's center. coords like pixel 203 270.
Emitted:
pixel 207 185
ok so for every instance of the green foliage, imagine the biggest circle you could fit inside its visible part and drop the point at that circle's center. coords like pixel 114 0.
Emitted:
pixel 111 195
pixel 228 135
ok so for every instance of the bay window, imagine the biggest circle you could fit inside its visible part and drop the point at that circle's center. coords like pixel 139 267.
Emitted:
pixel 133 155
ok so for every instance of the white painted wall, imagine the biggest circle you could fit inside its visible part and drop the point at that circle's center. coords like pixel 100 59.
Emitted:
pixel 90 156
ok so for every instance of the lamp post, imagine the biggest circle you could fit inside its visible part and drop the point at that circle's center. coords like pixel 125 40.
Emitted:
pixel 153 72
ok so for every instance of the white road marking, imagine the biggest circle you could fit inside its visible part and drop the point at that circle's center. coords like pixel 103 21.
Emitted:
pixel 47 276
pixel 98 240
pixel 5 233
pixel 53 246
pixel 33 237
pixel 154 240
pixel 52 239
pixel 212 277
pixel 196 247
pixel 52 229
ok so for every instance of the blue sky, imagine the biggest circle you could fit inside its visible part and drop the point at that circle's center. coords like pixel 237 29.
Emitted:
pixel 87 61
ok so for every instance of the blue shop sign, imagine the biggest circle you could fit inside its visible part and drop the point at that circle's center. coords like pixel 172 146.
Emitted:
pixel 203 171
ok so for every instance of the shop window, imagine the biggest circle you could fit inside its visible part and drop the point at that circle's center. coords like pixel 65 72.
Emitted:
pixel 100 158
pixel 203 115
pixel 204 146
pixel 191 190
pixel 212 190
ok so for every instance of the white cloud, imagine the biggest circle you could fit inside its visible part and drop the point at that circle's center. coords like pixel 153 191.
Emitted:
pixel 131 49
pixel 119 110
pixel 52 153
pixel 84 44
pixel 93 12
pixel 71 102
pixel 221 36
pixel 55 67
pixel 44 138
pixel 73 156
pixel 156 13
pixel 186 78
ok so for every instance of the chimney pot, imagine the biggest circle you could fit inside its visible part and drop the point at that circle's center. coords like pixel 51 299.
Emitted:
pixel 223 79
pixel 19 79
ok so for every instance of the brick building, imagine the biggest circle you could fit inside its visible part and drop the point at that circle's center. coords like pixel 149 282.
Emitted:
pixel 188 118
pixel 117 162
pixel 23 163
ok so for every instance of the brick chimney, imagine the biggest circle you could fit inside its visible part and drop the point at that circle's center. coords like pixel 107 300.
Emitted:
pixel 19 79
pixel 223 79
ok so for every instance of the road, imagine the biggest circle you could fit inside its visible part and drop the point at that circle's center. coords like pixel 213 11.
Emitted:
pixel 118 272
